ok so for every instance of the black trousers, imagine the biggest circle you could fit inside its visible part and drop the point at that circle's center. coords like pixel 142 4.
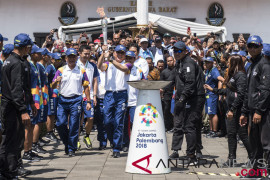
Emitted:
pixel 187 120
pixel 265 137
pixel 255 140
pixel 168 117
pixel 12 140
pixel 233 128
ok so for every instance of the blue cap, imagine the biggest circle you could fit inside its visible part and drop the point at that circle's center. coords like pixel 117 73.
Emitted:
pixel 255 40
pixel 148 56
pixel 3 38
pixel 36 49
pixel 46 52
pixel 22 40
pixel 120 48
pixel 130 54
pixel 209 59
pixel 56 56
pixel 71 51
pixel 180 45
pixel 266 49
pixel 242 53
pixel 7 49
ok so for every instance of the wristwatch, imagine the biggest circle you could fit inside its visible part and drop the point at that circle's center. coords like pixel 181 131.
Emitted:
pixel 111 60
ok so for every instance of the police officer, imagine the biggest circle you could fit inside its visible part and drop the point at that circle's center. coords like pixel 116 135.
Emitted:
pixel 72 80
pixel 16 95
pixel 189 101
pixel 256 104
pixel 115 100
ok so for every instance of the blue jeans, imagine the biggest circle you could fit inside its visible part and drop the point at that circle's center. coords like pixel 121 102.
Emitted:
pixel 71 107
pixel 114 114
pixel 128 124
pixel 99 117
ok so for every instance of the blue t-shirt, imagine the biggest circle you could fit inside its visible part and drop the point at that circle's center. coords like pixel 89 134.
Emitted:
pixel 211 78
pixel 44 83
pixel 50 71
pixel 36 88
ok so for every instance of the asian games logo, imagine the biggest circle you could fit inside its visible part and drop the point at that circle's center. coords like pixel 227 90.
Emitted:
pixel 149 114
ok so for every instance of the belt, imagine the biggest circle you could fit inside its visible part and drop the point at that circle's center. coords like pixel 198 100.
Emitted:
pixel 117 91
pixel 72 97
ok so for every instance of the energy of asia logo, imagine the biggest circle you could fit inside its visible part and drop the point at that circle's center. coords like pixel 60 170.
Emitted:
pixel 135 163
pixel 149 114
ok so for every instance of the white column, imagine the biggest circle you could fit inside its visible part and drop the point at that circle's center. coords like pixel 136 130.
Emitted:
pixel 142 12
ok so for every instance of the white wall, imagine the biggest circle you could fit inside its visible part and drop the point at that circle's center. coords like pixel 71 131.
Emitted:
pixel 28 16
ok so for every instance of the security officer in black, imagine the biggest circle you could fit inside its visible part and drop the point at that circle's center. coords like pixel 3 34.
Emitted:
pixel 16 93
pixel 189 101
pixel 256 104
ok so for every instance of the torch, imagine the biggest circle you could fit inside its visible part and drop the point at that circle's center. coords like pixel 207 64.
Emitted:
pixel 104 23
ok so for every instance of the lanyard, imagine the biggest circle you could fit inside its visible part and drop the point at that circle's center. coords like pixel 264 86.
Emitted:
pixel 207 74
pixel 37 71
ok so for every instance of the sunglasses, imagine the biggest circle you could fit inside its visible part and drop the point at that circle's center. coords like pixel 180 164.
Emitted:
pixel 255 46
pixel 120 52
pixel 177 51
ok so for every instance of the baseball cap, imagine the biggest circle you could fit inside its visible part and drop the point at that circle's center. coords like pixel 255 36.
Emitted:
pixel 36 49
pixel 266 49
pixel 255 40
pixel 7 49
pixel 143 40
pixel 46 52
pixel 130 54
pixel 71 51
pixel 158 39
pixel 56 56
pixel 3 38
pixel 209 59
pixel 22 40
pixel 68 41
pixel 147 56
pixel 167 35
pixel 120 48
pixel 180 45
pixel 101 35
pixel 242 53
pixel 96 41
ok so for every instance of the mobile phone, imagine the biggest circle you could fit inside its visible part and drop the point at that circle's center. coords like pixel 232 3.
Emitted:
pixel 188 29
pixel 236 47
pixel 195 34
pixel 212 34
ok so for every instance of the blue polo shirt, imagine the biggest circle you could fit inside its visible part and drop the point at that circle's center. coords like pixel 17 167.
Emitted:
pixel 211 78
pixel 50 71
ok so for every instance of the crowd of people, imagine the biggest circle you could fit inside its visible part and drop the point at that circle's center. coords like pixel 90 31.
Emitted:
pixel 220 89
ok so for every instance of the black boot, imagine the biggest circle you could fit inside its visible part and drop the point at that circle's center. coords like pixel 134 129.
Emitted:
pixel 231 161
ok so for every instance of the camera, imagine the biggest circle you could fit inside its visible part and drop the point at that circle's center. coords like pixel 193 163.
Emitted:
pixel 112 48
pixel 55 30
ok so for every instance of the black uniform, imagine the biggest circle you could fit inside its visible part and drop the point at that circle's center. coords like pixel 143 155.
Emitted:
pixel 258 100
pixel 235 92
pixel 167 98
pixel 189 102
pixel 16 93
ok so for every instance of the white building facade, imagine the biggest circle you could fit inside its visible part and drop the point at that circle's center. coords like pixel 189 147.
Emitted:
pixel 39 16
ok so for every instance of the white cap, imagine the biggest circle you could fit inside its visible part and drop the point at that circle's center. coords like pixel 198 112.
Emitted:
pixel 143 40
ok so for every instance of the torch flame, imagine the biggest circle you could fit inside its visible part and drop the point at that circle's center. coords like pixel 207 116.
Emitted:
pixel 100 11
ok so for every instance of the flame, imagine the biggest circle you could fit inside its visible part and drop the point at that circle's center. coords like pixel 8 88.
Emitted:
pixel 100 11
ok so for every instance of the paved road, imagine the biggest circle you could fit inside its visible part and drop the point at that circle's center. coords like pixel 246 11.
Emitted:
pixel 99 165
